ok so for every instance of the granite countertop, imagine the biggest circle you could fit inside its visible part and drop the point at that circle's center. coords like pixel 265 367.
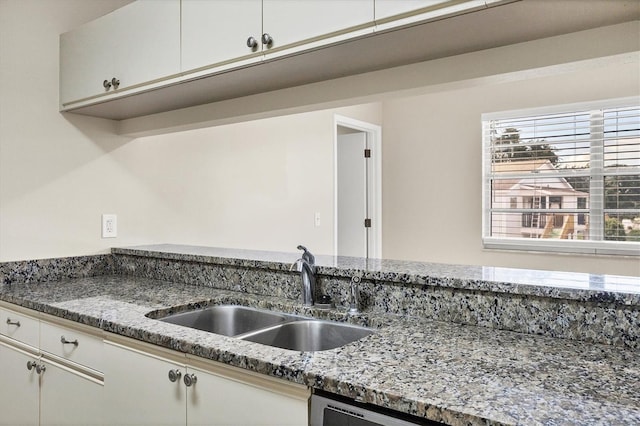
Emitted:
pixel 555 284
pixel 455 374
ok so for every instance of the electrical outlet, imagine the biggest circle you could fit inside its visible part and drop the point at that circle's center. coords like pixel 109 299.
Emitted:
pixel 109 226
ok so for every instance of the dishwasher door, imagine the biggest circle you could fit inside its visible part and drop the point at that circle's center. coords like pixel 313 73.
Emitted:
pixel 329 412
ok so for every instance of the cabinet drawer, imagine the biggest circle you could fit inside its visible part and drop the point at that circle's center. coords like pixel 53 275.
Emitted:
pixel 19 327
pixel 81 348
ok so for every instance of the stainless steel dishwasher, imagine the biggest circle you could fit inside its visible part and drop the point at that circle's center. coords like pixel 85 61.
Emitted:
pixel 342 412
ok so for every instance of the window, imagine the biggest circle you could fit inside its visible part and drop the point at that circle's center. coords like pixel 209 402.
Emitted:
pixel 563 178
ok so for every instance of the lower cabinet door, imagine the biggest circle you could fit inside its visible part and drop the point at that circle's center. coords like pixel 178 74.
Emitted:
pixel 139 391
pixel 216 400
pixel 68 397
pixel 19 388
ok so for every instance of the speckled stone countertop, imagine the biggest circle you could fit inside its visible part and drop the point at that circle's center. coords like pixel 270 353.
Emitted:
pixel 456 374
pixel 555 284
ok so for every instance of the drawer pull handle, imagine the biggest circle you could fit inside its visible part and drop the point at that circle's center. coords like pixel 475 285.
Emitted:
pixel 16 323
pixel 31 364
pixel 68 342
pixel 40 368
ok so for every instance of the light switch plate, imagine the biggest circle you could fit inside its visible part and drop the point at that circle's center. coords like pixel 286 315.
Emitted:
pixel 109 226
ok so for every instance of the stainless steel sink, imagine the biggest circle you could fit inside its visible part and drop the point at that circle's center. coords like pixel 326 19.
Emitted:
pixel 270 328
pixel 229 320
pixel 308 335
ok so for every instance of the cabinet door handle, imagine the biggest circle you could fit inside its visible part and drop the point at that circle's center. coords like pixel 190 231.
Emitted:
pixel 16 323
pixel 106 84
pixel 68 342
pixel 267 39
pixel 40 368
pixel 190 379
pixel 174 375
pixel 252 42
pixel 115 82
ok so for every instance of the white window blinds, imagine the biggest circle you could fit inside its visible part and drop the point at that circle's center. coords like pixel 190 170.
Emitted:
pixel 563 178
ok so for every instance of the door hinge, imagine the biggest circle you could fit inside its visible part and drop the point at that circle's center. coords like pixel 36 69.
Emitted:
pixel 367 153
pixel 367 223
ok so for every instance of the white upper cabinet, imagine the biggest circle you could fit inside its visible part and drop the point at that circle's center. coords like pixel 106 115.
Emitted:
pixel 220 31
pixel 217 31
pixel 133 45
pixel 289 22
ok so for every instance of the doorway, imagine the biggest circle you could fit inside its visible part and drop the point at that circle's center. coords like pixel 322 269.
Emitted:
pixel 357 188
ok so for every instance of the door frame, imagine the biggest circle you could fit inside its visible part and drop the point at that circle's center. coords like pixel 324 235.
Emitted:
pixel 374 142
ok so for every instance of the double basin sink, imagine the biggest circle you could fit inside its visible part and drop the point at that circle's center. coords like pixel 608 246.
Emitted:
pixel 270 328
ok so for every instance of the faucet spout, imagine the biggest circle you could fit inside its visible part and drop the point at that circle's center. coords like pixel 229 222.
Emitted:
pixel 354 295
pixel 307 267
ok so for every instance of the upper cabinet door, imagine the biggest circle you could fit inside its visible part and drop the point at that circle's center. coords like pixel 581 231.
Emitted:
pixel 146 41
pixel 135 44
pixel 217 31
pixel 289 22
pixel 86 60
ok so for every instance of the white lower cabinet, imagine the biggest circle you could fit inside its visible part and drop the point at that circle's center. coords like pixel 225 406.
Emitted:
pixel 19 387
pixel 138 390
pixel 168 388
pixel 47 393
pixel 68 397
pixel 41 387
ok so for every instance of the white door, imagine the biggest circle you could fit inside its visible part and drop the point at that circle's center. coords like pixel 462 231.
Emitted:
pixel 86 60
pixel 293 21
pixel 137 389
pixel 218 31
pixel 19 398
pixel 135 44
pixel 146 41
pixel 352 194
pixel 69 398
pixel 218 401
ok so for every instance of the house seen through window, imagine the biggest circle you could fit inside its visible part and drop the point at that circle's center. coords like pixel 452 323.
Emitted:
pixel 564 178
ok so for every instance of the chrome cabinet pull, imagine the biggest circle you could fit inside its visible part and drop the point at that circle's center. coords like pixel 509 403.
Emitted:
pixel 16 323
pixel 106 84
pixel 115 82
pixel 40 368
pixel 68 342
pixel 190 379
pixel 252 42
pixel 174 375
pixel 267 39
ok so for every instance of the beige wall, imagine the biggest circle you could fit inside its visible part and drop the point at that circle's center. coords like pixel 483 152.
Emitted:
pixel 432 168
pixel 257 184
pixel 56 174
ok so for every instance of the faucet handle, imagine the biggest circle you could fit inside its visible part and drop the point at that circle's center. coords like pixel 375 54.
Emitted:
pixel 297 264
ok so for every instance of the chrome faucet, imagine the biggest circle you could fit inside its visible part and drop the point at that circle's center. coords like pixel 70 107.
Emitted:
pixel 354 295
pixel 306 265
